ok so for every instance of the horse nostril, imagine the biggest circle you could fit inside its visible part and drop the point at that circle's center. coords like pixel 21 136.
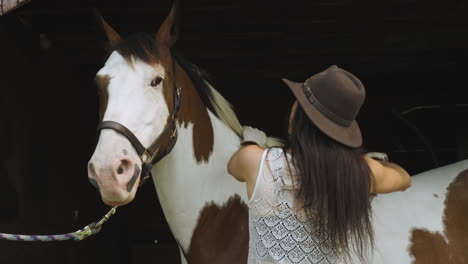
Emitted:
pixel 124 166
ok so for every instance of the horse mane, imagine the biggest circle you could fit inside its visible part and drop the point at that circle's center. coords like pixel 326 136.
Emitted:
pixel 212 99
pixel 142 46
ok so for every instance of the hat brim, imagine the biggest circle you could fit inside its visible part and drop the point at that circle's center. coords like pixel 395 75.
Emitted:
pixel 350 136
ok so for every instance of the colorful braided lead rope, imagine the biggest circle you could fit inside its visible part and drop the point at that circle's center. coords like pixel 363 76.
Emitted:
pixel 12 237
pixel 79 235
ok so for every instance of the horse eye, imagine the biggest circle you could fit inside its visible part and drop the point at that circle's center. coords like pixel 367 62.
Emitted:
pixel 156 81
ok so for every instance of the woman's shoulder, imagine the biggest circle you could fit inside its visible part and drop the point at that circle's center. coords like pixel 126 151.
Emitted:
pixel 244 164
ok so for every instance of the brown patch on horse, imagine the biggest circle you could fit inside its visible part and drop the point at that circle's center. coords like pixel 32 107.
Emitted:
pixel 221 234
pixel 432 248
pixel 428 247
pixel 193 111
pixel 102 82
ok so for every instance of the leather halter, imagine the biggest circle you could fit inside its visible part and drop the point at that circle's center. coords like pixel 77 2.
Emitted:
pixel 153 154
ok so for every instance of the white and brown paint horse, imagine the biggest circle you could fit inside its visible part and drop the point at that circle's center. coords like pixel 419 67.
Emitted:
pixel 200 200
pixel 204 206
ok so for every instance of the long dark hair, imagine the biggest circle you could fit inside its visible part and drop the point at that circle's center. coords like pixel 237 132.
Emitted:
pixel 334 183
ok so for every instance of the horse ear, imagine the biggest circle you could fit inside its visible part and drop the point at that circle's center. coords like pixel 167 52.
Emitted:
pixel 111 34
pixel 168 32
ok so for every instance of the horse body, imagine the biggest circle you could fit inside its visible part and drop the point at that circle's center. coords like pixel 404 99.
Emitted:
pixel 185 186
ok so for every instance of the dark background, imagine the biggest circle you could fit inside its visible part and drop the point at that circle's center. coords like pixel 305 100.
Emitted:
pixel 408 54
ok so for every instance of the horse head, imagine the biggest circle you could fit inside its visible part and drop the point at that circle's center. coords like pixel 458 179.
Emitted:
pixel 137 99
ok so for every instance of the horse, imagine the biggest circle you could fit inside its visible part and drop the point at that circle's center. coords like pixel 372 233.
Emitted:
pixel 158 109
pixel 200 200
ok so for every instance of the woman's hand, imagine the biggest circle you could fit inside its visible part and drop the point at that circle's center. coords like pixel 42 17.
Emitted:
pixel 255 136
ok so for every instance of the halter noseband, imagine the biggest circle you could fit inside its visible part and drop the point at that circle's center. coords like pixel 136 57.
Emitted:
pixel 151 155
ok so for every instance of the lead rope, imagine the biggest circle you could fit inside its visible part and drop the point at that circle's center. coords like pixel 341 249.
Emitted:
pixel 79 235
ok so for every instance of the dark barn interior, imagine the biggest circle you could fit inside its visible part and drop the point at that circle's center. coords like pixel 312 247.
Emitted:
pixel 411 55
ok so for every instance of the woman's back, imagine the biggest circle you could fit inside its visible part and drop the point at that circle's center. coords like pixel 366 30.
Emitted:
pixel 279 231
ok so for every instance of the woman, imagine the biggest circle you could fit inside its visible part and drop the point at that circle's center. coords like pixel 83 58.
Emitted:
pixel 310 202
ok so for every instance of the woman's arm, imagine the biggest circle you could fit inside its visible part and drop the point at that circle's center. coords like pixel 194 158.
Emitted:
pixel 388 177
pixel 245 163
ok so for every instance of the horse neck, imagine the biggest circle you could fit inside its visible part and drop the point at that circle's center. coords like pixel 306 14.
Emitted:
pixel 202 136
pixel 195 172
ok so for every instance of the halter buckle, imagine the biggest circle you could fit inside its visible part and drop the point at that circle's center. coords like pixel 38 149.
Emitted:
pixel 145 156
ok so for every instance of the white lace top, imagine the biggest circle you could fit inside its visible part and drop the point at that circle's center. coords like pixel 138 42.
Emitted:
pixel 278 232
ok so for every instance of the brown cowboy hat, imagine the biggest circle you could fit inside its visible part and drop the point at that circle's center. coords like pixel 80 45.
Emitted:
pixel 332 99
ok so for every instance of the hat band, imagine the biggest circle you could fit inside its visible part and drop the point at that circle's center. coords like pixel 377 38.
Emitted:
pixel 322 109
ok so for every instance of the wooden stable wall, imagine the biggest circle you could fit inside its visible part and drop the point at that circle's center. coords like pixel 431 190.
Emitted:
pixel 407 53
